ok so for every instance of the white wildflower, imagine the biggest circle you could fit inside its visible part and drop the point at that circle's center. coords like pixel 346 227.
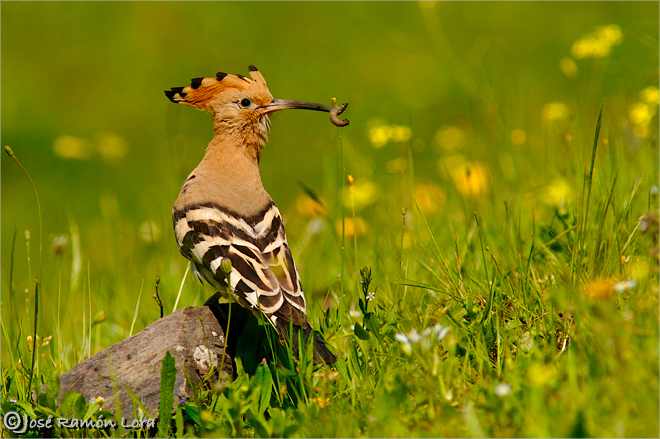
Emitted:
pixel 625 285
pixel 503 389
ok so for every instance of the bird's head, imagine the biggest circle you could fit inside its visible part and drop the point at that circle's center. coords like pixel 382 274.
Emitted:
pixel 241 106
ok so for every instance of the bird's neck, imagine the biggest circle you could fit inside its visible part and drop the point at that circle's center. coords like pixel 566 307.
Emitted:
pixel 246 136
pixel 228 173
pixel 230 161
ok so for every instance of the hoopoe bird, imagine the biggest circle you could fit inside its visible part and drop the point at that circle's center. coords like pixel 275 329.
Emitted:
pixel 223 213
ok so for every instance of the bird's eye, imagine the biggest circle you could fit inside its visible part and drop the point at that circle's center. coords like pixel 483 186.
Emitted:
pixel 246 103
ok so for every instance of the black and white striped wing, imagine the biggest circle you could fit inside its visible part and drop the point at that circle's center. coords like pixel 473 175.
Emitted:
pixel 263 274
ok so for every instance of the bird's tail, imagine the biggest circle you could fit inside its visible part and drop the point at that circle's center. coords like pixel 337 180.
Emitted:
pixel 290 332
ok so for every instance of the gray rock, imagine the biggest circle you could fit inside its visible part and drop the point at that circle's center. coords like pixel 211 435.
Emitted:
pixel 192 335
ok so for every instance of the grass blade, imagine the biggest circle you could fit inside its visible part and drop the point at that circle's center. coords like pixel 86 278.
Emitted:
pixel 167 379
pixel 183 280
pixel 577 252
pixel 137 307
pixel 35 345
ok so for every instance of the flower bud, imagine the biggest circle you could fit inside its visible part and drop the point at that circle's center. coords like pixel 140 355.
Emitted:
pixel 225 266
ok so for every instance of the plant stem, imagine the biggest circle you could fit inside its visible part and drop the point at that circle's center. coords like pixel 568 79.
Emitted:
pixel 34 334
pixel 343 225
pixel 10 153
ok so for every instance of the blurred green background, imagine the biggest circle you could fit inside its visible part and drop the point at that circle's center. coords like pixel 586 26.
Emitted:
pixel 84 110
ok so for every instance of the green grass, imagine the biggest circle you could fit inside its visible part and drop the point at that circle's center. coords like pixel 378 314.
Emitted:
pixel 491 198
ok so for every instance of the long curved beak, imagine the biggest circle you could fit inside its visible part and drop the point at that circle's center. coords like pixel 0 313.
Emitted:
pixel 283 104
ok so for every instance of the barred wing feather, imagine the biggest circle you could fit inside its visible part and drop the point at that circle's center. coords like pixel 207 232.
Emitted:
pixel 263 274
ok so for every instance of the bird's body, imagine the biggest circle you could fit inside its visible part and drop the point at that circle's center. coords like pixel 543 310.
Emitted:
pixel 223 213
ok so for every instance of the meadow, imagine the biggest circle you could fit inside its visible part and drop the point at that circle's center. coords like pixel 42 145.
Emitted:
pixel 479 245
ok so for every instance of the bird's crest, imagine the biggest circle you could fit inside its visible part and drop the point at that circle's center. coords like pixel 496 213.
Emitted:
pixel 203 92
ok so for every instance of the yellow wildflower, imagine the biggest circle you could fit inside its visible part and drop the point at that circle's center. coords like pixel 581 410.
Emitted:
pixel 590 47
pixel 397 165
pixel 450 138
pixel 471 179
pixel 430 198
pixel 358 228
pixel 601 288
pixel 650 95
pixel 380 133
pixel 379 136
pixel 452 161
pixel 554 111
pixel 111 146
pixel 321 401
pixel 364 193
pixel 568 67
pixel 558 193
pixel 597 44
pixel 308 207
pixel 641 113
pixel 71 147
pixel 610 34
pixel 327 375
pixel 400 133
